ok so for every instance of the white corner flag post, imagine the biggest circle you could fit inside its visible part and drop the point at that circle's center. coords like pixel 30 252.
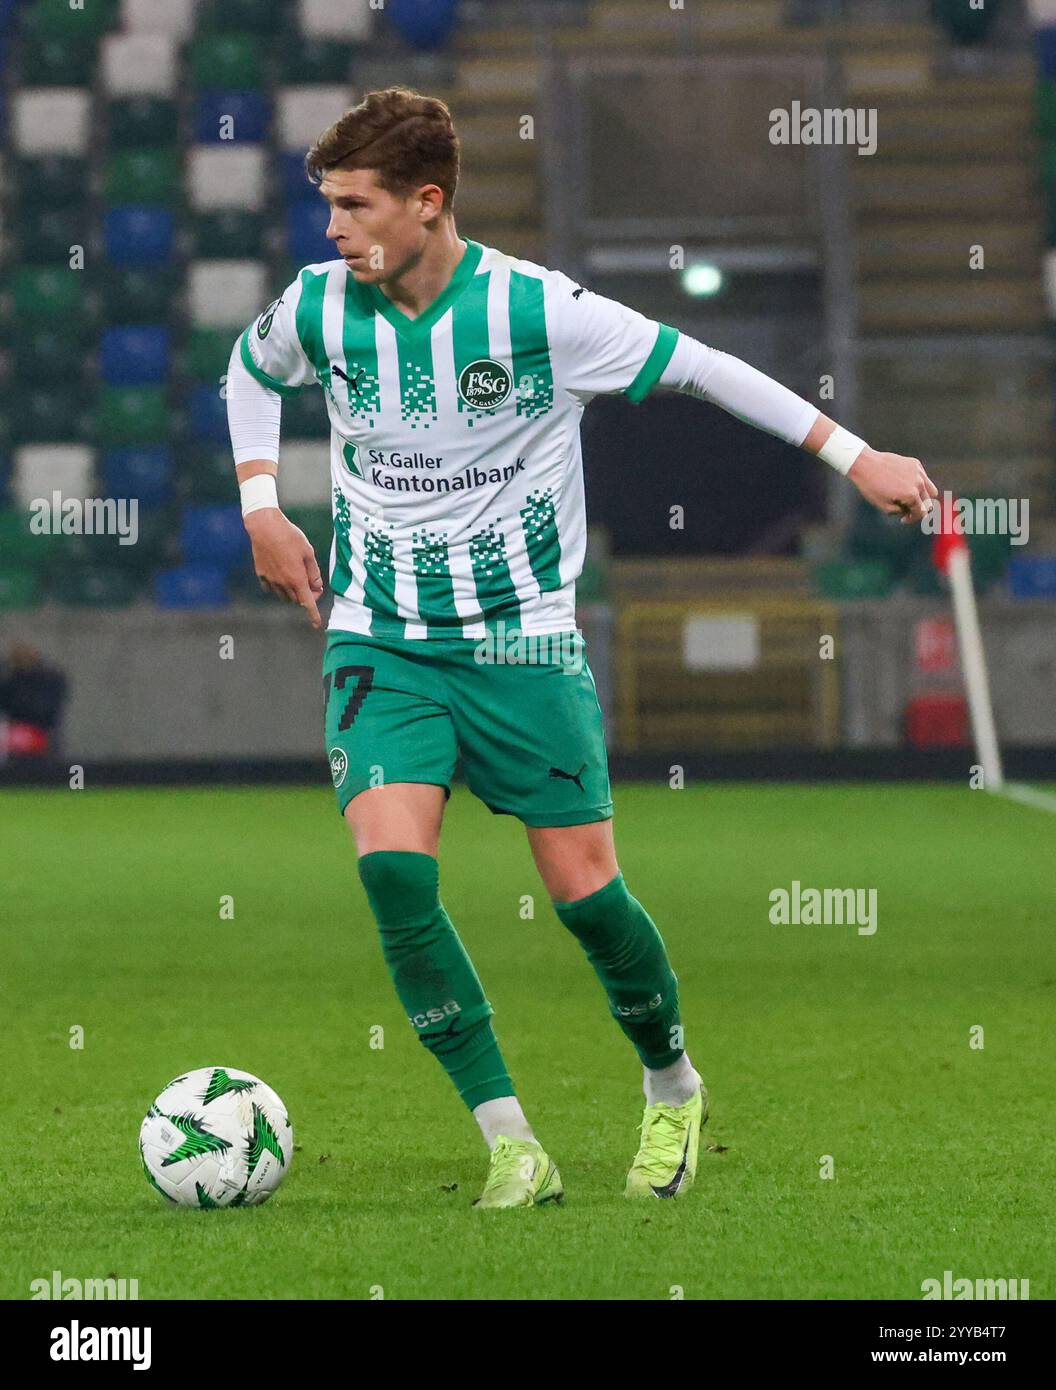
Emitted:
pixel 952 555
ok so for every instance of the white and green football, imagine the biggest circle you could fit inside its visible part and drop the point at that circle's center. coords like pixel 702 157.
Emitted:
pixel 216 1137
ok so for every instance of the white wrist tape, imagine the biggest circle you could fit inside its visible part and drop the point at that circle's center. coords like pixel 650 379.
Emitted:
pixel 841 449
pixel 258 492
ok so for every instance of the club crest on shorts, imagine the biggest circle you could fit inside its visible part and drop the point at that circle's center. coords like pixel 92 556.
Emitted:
pixel 485 384
pixel 338 765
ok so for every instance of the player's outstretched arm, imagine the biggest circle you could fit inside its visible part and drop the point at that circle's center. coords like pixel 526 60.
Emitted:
pixel 891 482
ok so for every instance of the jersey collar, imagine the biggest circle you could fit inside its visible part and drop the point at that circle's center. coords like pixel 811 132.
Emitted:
pixel 412 328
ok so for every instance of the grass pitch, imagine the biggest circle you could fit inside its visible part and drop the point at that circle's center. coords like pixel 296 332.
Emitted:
pixel 814 1041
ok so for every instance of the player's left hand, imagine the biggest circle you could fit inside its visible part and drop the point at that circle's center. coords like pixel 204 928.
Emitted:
pixel 894 484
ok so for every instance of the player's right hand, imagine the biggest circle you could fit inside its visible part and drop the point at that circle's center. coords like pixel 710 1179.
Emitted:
pixel 284 560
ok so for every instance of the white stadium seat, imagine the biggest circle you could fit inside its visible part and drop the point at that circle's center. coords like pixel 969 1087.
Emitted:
pixel 304 473
pixel 336 19
pixel 234 177
pixel 51 120
pixel 174 17
pixel 1042 13
pixel 41 469
pixel 226 294
pixel 305 112
pixel 138 65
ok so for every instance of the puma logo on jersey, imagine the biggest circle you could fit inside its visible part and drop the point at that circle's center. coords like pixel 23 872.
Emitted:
pixel 569 776
pixel 577 293
pixel 353 381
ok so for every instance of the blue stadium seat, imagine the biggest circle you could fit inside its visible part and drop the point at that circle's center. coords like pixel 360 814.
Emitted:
pixel 138 234
pixel 191 586
pixel 145 472
pixel 250 113
pixel 294 180
pixel 135 355
pixel 214 535
pixel 306 240
pixel 1032 576
pixel 207 414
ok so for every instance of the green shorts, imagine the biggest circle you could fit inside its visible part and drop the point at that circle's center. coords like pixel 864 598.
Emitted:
pixel 524 719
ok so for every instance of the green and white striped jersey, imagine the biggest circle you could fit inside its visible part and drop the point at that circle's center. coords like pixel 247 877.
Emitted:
pixel 455 459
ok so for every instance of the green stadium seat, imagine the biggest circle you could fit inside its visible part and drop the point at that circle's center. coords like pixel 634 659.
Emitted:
pixel 36 348
pixel 87 586
pixel 208 352
pixel 48 293
pixel 133 415
pixel 19 588
pixel 58 61
pixel 48 414
pixel 1045 97
pixel 143 176
pixel 230 61
pixel 874 536
pixel 58 17
pixel 228 235
pixel 44 235
pixel 19 548
pixel 142 122
pixel 131 295
pixel 208 474
pixel 51 182
pixel 243 17
pixel 853 579
pixel 306 61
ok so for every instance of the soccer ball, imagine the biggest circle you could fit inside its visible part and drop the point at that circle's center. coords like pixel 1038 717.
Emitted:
pixel 216 1137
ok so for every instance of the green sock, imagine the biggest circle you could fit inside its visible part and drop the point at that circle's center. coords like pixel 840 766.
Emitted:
pixel 628 954
pixel 433 975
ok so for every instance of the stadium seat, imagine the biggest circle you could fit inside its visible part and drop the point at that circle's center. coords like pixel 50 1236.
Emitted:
pixel 1032 576
pixel 138 64
pixel 207 414
pixel 228 177
pixel 36 348
pixel 174 17
pixel 58 18
pixel 231 117
pixel 317 523
pixel 229 234
pixel 142 122
pixel 308 62
pixel 207 353
pixel 849 579
pixel 304 475
pixel 51 120
pixel 45 235
pixel 143 176
pixel 335 19
pixel 40 469
pixel 133 415
pixel 90 586
pixel 136 355
pixel 232 61
pixel 214 535
pixel 58 61
pixel 138 234
pixel 52 181
pixel 302 112
pixel 42 413
pixel 191 586
pixel 20 588
pixel 132 295
pixel 19 547
pixel 209 474
pixel 47 293
pixel 296 186
pixel 242 16
pixel 225 293
pixel 306 240
pixel 145 473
